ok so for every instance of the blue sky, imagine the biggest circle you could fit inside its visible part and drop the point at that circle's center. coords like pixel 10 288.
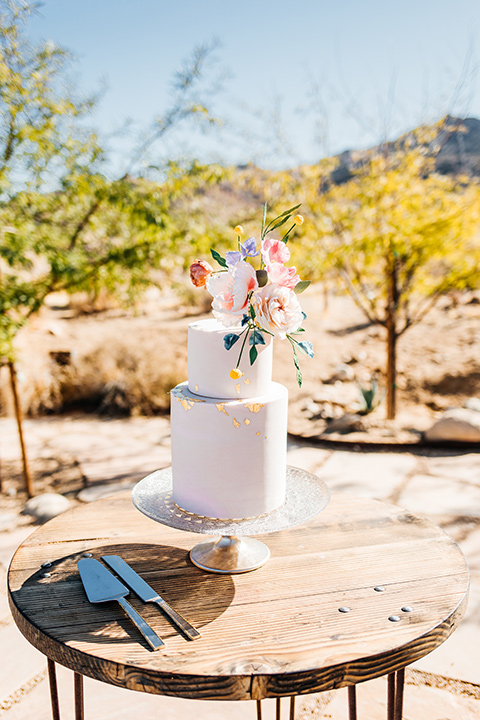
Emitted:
pixel 303 79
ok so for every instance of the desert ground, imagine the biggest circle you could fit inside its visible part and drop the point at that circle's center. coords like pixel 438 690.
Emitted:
pixel 118 362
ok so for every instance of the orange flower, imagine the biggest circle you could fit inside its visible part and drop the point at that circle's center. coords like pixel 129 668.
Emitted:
pixel 200 271
pixel 298 219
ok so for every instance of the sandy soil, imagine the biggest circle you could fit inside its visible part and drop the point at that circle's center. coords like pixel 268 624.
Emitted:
pixel 438 367
pixel 438 360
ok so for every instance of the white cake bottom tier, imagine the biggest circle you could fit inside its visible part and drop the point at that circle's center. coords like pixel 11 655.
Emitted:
pixel 229 456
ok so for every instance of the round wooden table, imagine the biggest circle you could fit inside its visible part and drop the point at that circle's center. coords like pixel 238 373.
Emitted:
pixel 361 591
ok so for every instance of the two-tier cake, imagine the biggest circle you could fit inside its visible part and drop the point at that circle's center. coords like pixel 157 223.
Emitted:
pixel 229 421
pixel 229 435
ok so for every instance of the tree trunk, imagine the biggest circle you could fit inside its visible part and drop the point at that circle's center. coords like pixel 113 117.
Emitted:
pixel 392 335
pixel 18 416
pixel 391 367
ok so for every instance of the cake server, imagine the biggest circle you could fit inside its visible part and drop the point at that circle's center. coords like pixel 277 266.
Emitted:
pixel 101 586
pixel 148 594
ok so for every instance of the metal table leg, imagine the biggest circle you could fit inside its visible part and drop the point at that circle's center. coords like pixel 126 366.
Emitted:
pixel 396 683
pixel 352 702
pixel 399 695
pixel 78 683
pixel 278 708
pixel 52 681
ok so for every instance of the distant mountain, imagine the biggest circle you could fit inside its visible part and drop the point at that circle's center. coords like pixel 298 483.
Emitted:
pixel 461 148
pixel 459 153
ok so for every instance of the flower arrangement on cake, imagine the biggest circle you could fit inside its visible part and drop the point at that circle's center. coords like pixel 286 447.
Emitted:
pixel 256 291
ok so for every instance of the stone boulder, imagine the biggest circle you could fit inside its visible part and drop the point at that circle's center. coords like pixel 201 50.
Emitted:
pixel 46 506
pixel 456 425
pixel 346 424
pixel 473 404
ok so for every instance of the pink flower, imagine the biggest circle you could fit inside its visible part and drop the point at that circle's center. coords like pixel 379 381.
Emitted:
pixel 200 271
pixel 281 275
pixel 277 310
pixel 274 251
pixel 230 291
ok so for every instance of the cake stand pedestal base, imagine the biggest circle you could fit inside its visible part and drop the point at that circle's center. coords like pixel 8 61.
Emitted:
pixel 230 554
pixel 234 552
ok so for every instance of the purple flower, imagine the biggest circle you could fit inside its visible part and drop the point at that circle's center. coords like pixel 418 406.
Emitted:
pixel 232 257
pixel 247 249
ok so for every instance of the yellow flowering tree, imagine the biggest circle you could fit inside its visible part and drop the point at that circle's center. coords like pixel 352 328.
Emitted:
pixel 399 235
pixel 64 225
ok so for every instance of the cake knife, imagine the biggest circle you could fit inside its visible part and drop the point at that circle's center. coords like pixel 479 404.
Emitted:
pixel 101 586
pixel 148 594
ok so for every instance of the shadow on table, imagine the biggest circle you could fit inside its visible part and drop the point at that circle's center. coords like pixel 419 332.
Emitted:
pixel 63 610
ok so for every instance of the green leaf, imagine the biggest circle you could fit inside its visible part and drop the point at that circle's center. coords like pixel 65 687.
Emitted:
pixel 256 338
pixel 307 347
pixel 230 340
pixel 253 354
pixel 269 227
pixel 264 217
pixel 287 212
pixel 297 367
pixel 220 260
pixel 301 286
pixel 299 376
pixel 287 234
pixel 295 360
pixel 277 223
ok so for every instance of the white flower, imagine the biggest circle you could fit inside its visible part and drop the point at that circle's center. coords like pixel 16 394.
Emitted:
pixel 277 310
pixel 230 292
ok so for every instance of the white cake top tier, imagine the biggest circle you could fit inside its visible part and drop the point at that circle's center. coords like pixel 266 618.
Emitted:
pixel 210 364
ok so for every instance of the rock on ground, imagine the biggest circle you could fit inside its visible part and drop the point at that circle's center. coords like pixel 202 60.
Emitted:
pixel 46 506
pixel 457 424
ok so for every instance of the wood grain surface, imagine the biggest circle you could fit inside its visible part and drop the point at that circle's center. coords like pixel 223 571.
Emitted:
pixel 272 632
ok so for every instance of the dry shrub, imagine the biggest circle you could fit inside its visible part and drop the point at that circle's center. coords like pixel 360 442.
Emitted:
pixel 119 370
pixel 122 378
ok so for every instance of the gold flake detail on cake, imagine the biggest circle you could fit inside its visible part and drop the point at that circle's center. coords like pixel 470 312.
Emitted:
pixel 237 388
pixel 254 407
pixel 221 407
pixel 196 388
pixel 247 381
pixel 246 421
pixel 186 402
pixel 236 423
pixel 257 433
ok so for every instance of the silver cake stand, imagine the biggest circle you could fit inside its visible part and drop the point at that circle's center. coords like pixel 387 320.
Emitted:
pixel 234 551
